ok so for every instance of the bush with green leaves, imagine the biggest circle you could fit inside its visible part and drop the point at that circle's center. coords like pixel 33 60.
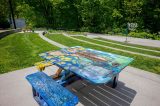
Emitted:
pixel 84 29
pixel 116 30
pixel 144 35
pixel 111 33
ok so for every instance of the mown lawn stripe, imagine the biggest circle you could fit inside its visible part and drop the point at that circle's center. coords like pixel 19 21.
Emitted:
pixel 119 46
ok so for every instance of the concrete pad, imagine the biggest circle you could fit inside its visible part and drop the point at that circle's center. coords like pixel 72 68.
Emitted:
pixel 15 90
pixel 136 88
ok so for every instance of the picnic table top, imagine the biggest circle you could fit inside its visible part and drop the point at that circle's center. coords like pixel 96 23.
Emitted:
pixel 92 65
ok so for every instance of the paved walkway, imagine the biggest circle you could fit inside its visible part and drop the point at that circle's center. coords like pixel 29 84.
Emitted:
pixel 3 30
pixel 136 88
pixel 156 57
pixel 139 41
pixel 50 41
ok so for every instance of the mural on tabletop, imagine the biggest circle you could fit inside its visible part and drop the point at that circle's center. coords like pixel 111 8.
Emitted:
pixel 93 65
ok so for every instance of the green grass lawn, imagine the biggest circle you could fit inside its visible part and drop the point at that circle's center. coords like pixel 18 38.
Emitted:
pixel 118 46
pixel 74 33
pixel 21 50
pixel 142 62
pixel 128 44
pixel 68 32
pixel 55 31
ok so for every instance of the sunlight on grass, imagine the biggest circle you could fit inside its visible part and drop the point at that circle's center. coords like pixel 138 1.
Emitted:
pixel 21 50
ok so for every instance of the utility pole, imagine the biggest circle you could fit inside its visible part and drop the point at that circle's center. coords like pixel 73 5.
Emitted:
pixel 12 13
pixel 127 31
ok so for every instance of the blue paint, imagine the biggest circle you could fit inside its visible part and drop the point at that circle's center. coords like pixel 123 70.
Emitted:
pixel 51 92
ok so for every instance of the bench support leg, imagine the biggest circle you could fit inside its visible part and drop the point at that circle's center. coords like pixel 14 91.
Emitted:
pixel 34 92
pixel 38 98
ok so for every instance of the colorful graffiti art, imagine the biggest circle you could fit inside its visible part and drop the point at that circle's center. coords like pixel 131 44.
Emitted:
pixel 92 65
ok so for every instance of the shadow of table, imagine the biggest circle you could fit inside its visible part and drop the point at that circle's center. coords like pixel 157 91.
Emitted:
pixel 102 95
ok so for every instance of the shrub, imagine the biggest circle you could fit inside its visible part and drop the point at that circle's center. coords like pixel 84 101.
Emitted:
pixel 111 33
pixel 116 30
pixel 84 29
pixel 144 35
pixel 108 29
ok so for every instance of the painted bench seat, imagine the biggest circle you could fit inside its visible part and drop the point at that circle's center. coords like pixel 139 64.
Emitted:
pixel 49 91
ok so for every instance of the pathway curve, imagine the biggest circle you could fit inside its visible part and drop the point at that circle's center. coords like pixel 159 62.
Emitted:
pixel 50 41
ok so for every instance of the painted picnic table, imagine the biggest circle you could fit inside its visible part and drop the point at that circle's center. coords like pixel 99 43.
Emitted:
pixel 77 62
pixel 92 65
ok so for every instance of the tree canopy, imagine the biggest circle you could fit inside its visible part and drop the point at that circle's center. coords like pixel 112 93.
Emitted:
pixel 87 15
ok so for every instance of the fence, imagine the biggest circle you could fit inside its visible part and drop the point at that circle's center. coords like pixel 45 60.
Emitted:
pixel 5 33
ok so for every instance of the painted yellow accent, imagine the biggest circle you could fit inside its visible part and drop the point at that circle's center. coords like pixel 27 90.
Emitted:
pixel 41 65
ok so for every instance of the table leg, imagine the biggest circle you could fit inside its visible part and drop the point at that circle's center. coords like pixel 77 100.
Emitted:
pixel 115 81
pixel 58 72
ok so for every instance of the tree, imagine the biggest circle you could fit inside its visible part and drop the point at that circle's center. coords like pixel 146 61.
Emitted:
pixel 151 15
pixel 4 14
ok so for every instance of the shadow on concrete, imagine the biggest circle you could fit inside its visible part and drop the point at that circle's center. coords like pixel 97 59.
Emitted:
pixel 102 95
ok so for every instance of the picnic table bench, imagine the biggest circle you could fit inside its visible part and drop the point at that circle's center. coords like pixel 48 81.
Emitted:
pixel 47 92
